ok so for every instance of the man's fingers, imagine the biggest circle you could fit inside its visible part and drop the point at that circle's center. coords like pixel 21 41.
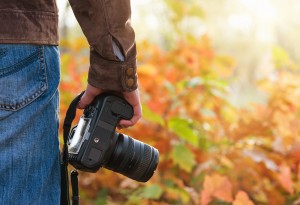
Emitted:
pixel 129 123
pixel 85 101
pixel 88 96
pixel 133 98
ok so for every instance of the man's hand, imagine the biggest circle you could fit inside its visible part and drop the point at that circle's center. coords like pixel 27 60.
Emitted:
pixel 132 98
pixel 90 93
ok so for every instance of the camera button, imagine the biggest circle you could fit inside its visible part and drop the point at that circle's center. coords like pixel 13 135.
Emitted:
pixel 94 155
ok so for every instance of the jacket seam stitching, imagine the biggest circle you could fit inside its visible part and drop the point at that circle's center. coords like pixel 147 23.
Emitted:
pixel 38 13
pixel 107 20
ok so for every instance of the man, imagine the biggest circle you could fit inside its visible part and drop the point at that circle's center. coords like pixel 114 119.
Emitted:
pixel 29 77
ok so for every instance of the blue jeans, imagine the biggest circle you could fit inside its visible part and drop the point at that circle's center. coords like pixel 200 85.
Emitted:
pixel 29 146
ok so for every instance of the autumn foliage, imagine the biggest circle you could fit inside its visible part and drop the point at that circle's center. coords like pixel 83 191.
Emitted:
pixel 210 151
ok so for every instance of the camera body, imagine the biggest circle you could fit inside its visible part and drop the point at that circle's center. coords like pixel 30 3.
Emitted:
pixel 92 141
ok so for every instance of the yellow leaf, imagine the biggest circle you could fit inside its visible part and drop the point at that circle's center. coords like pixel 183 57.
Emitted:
pixel 147 69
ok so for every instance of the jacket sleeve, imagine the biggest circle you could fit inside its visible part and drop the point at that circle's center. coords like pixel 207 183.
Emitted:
pixel 105 22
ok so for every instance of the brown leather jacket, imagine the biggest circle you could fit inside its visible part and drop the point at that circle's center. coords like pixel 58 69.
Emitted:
pixel 103 22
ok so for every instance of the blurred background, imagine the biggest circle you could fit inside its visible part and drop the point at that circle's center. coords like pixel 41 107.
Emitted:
pixel 220 87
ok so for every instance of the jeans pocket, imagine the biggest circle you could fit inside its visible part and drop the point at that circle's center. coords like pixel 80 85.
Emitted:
pixel 22 75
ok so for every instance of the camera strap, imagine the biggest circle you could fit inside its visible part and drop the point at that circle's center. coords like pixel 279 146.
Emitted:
pixel 65 195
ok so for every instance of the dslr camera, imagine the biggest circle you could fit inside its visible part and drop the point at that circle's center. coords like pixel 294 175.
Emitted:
pixel 95 143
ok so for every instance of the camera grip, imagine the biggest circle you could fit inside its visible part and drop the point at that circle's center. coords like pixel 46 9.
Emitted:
pixel 111 109
pixel 124 110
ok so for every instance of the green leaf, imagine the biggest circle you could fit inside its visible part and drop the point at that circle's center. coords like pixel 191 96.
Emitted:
pixel 183 128
pixel 184 197
pixel 194 82
pixel 219 202
pixel 101 200
pixel 185 8
pixel 280 56
pixel 219 84
pixel 149 192
pixel 133 200
pixel 183 157
pixel 196 10
pixel 178 8
pixel 152 116
pixel 152 192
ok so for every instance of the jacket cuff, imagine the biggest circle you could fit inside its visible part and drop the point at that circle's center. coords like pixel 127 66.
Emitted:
pixel 112 75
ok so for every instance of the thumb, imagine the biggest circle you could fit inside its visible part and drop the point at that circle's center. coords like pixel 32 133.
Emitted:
pixel 90 93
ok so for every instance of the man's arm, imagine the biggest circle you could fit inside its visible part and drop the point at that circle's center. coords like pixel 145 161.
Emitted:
pixel 106 25
pixel 104 22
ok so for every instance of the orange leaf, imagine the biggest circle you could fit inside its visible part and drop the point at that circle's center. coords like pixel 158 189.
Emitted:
pixel 205 198
pixel 157 203
pixel 242 198
pixel 216 186
pixel 298 175
pixel 284 178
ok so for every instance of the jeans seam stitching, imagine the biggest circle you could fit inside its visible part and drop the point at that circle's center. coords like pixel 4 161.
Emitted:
pixel 19 65
pixel 43 85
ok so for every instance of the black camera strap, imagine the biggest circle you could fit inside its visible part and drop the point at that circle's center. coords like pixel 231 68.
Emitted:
pixel 65 195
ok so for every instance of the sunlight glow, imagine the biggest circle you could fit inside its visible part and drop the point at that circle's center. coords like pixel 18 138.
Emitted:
pixel 255 11
pixel 259 17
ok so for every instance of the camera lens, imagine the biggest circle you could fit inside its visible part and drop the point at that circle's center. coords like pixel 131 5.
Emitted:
pixel 133 158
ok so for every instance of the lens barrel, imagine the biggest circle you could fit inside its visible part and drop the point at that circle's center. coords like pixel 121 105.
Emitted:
pixel 133 158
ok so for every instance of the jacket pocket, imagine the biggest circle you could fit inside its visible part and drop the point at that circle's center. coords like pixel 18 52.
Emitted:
pixel 22 75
